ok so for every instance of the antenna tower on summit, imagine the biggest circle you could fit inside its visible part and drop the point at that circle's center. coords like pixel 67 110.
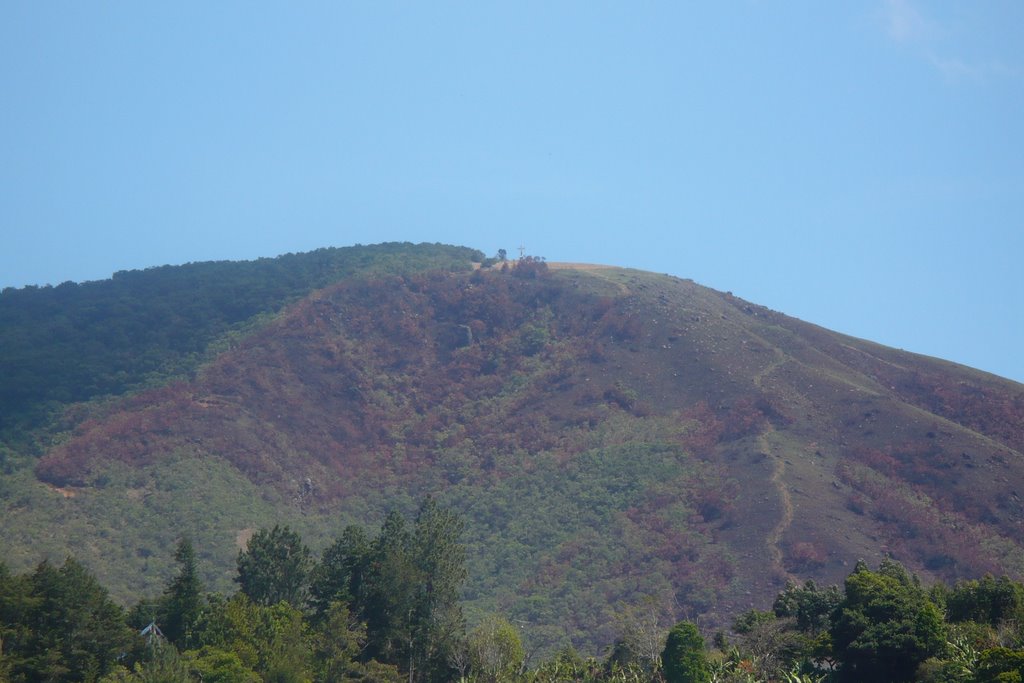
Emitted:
pixel 522 252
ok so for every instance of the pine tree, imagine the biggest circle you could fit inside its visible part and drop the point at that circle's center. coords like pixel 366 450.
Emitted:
pixel 411 597
pixel 76 633
pixel 339 575
pixel 441 562
pixel 182 600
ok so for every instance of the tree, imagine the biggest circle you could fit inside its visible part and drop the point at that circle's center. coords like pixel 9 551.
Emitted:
pixel 268 640
pixel 809 605
pixel 182 599
pixel 338 646
pixel 74 631
pixel 886 626
pixel 274 567
pixel 566 665
pixel 387 602
pixel 685 658
pixel 988 601
pixel 341 571
pixel 163 665
pixel 1001 665
pixel 338 642
pixel 495 650
pixel 410 595
pixel 14 625
pixel 641 636
pixel 214 665
pixel 771 642
pixel 441 563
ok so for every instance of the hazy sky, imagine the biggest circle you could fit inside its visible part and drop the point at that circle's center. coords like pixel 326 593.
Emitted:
pixel 859 165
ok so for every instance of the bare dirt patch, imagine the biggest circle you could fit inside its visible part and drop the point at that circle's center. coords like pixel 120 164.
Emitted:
pixel 243 536
pixel 65 491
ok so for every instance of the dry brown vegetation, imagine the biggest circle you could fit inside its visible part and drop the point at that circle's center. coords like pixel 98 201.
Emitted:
pixel 608 434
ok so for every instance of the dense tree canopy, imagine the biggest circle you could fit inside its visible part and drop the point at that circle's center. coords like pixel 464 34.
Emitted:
pixel 685 656
pixel 274 567
pixel 410 597
pixel 886 626
pixel 339 575
pixel 986 601
pixel 387 608
pixel 75 341
pixel 59 625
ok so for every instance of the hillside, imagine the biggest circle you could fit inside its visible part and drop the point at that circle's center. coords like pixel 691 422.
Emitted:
pixel 611 437
pixel 75 342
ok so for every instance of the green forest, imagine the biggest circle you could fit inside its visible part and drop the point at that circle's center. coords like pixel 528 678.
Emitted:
pixel 386 607
pixel 79 341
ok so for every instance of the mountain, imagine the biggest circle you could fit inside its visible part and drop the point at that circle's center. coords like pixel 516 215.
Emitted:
pixel 615 439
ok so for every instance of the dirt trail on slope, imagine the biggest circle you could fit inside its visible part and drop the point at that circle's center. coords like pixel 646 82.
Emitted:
pixel 778 460
pixel 774 539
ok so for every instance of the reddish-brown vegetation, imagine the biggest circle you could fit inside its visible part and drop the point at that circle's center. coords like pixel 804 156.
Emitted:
pixel 792 449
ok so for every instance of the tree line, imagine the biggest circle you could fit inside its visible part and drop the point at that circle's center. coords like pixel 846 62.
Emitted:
pixel 386 607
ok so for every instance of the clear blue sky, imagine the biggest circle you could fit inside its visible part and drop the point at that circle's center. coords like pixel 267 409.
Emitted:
pixel 859 165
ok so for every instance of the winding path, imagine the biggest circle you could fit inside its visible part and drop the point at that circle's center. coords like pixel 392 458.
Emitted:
pixel 774 539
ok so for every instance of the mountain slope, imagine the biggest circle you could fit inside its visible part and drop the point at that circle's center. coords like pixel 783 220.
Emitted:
pixel 75 342
pixel 610 435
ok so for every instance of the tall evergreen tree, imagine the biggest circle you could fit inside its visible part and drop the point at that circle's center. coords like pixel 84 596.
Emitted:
pixel 411 596
pixel 14 629
pixel 441 562
pixel 387 603
pixel 76 632
pixel 182 600
pixel 339 575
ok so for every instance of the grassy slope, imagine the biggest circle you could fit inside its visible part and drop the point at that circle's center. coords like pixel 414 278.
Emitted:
pixel 609 435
